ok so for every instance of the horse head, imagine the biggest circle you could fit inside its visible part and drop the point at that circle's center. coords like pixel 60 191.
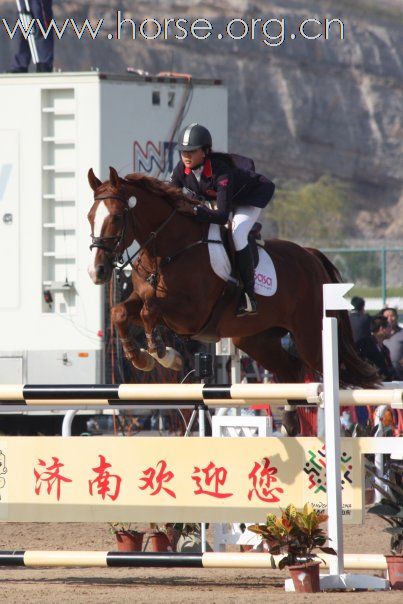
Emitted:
pixel 135 207
pixel 112 228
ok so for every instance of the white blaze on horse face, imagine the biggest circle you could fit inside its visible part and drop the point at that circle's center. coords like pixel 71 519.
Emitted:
pixel 100 214
pixel 132 201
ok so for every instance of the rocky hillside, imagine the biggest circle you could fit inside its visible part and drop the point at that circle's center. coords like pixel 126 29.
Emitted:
pixel 303 108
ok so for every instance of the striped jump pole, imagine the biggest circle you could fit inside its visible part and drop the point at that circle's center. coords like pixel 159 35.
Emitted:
pixel 183 395
pixel 34 559
pixel 210 394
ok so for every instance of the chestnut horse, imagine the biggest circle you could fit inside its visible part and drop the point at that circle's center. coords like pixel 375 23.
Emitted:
pixel 174 284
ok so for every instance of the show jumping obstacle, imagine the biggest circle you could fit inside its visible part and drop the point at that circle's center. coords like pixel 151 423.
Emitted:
pixel 16 397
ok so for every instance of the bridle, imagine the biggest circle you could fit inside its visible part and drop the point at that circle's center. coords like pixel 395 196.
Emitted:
pixel 116 240
pixel 116 257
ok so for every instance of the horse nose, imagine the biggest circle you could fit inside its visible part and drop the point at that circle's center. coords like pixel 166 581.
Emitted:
pixel 100 271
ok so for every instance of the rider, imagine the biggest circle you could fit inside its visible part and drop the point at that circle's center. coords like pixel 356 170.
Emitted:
pixel 205 175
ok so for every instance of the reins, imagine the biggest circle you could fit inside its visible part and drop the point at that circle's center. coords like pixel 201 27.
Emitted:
pixel 98 242
pixel 118 262
pixel 153 236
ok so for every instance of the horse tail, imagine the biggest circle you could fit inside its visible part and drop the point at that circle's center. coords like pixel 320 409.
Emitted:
pixel 354 371
pixel 332 271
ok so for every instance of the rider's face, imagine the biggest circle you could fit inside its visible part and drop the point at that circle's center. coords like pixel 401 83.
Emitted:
pixel 192 159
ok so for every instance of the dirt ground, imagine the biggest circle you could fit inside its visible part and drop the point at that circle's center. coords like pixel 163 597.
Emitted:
pixel 159 585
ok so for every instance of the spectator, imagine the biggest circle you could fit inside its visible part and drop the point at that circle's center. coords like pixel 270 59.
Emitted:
pixel 395 342
pixel 359 320
pixel 42 11
pixel 373 349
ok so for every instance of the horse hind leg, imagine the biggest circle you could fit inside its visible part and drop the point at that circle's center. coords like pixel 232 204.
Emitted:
pixel 308 341
pixel 267 350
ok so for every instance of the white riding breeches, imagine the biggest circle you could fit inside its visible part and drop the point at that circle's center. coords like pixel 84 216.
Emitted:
pixel 242 221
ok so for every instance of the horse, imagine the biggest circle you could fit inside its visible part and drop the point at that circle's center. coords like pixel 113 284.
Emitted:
pixel 175 285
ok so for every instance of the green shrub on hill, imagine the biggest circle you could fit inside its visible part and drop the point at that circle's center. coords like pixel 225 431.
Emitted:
pixel 315 213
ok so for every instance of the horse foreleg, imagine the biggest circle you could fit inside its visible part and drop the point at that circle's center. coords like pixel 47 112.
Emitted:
pixel 165 355
pixel 122 315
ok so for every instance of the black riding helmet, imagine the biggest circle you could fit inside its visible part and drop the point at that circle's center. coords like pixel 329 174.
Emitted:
pixel 194 136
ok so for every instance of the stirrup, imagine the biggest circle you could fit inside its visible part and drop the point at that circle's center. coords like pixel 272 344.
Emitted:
pixel 247 306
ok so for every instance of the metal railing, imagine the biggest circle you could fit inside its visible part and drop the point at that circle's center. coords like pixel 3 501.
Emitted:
pixel 375 267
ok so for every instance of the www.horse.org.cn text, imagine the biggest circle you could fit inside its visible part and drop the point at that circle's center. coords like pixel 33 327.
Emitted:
pixel 268 31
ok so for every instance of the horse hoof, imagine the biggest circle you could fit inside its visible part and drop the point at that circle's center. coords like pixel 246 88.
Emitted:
pixel 171 359
pixel 148 360
pixel 178 363
pixel 161 350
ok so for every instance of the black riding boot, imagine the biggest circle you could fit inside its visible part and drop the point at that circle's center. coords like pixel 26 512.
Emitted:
pixel 245 266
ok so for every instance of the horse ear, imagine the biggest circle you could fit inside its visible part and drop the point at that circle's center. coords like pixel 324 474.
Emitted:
pixel 113 177
pixel 93 180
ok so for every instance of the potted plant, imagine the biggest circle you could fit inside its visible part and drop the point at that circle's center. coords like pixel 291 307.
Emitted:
pixel 296 534
pixel 390 509
pixel 161 538
pixel 188 536
pixel 128 538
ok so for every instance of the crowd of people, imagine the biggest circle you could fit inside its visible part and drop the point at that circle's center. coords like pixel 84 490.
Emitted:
pixel 379 340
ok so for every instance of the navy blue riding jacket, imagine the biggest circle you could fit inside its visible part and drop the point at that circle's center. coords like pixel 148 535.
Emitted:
pixel 228 185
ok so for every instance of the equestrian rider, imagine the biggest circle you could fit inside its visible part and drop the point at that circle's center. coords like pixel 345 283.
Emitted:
pixel 209 176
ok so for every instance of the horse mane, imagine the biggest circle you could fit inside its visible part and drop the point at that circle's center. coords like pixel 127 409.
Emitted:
pixel 170 193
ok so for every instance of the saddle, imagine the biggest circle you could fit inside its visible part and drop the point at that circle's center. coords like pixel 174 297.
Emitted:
pixel 226 234
pixel 232 289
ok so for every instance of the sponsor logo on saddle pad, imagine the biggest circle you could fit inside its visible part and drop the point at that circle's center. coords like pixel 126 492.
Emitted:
pixel 263 280
pixel 265 273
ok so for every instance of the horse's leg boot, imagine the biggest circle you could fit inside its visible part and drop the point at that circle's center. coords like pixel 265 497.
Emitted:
pixel 246 270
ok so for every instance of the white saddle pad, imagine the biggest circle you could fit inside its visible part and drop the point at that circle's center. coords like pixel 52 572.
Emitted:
pixel 265 273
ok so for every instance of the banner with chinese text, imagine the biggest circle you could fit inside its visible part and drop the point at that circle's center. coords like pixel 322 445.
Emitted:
pixel 99 479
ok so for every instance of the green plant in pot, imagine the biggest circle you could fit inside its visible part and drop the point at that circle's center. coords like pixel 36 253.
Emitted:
pixel 188 536
pixel 390 509
pixel 296 535
pixel 128 537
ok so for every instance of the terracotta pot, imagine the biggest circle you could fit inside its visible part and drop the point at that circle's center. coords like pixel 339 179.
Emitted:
pixel 129 542
pixel 160 542
pixel 305 577
pixel 173 536
pixel 369 496
pixel 395 571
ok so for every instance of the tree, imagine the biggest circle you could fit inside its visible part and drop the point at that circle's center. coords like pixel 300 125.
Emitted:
pixel 315 213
